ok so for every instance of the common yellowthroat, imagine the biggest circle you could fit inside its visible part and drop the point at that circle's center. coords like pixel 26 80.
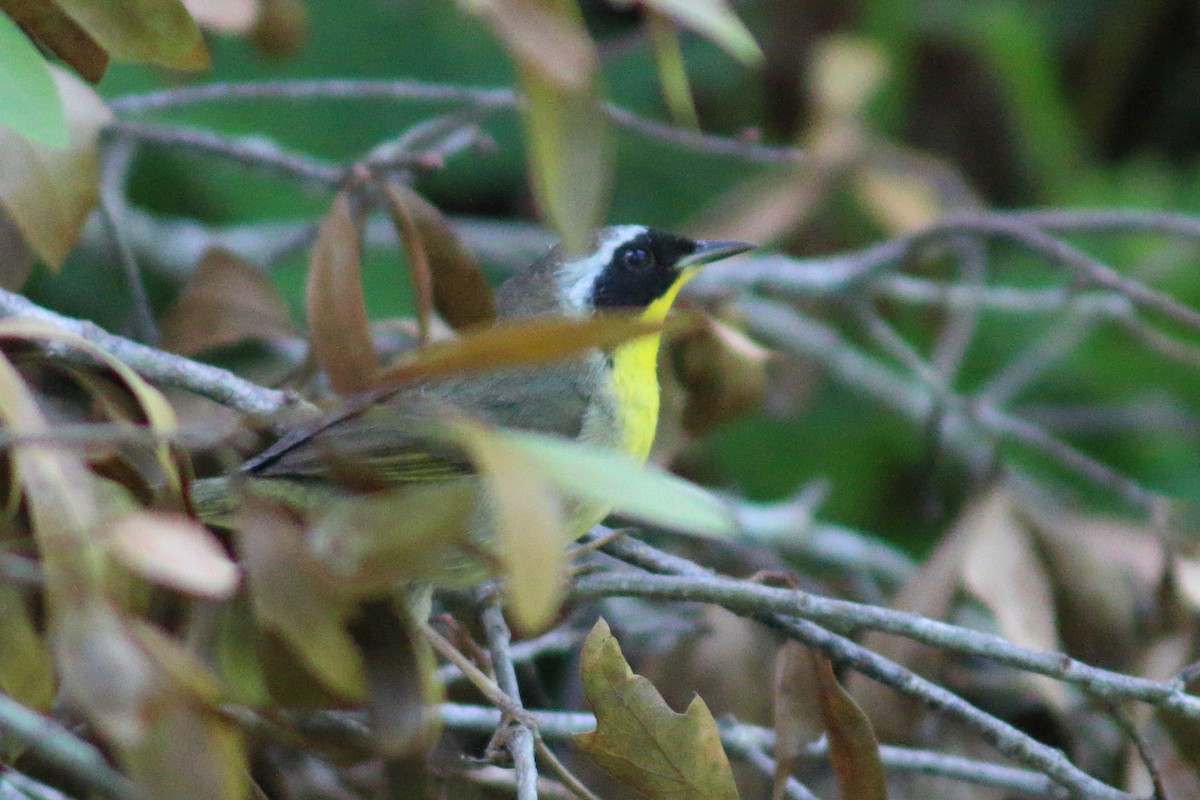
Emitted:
pixel 609 400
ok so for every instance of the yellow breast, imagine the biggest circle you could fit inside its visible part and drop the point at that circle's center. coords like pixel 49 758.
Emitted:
pixel 635 384
pixel 635 379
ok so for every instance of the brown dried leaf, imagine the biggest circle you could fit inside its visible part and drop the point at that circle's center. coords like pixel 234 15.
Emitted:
pixel 46 22
pixel 290 601
pixel 1104 573
pixel 157 31
pixel 569 146
pixel 522 343
pixel 724 372
pixel 281 28
pixel 546 35
pixel 852 744
pixel 226 300
pixel 48 192
pixel 930 592
pixel 530 530
pixel 402 675
pixel 768 206
pixel 794 682
pixel 1002 569
pixel 457 288
pixel 640 740
pixel 175 551
pixel 338 330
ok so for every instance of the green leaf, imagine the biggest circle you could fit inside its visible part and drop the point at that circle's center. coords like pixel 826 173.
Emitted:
pixel 640 740
pixel 157 31
pixel 615 481
pixel 29 102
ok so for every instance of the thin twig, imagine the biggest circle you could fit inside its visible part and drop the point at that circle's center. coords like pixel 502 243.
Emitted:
pixel 409 91
pixel 486 686
pixel 256 152
pixel 519 740
pixel 116 156
pixel 63 749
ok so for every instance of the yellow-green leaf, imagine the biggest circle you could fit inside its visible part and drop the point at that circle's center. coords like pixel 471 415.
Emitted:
pixel 289 599
pixel 29 101
pixel 614 480
pixel 159 414
pixel 338 330
pixel 49 191
pixel 852 744
pixel 672 72
pixel 640 740
pixel 26 672
pixel 157 31
pixel 526 342
pixel 714 20
pixel 371 542
pixel 530 531
pixel 570 157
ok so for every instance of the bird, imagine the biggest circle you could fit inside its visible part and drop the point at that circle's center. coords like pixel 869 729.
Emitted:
pixel 606 399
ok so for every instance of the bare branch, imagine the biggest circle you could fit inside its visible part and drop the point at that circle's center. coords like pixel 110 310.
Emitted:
pixel 219 385
pixel 1004 737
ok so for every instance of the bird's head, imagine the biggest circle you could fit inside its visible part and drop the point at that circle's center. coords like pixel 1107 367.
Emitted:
pixel 636 267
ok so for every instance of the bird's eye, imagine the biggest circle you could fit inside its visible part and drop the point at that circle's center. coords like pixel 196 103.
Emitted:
pixel 637 259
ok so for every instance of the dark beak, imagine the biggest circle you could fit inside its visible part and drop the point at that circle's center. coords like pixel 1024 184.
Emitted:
pixel 710 250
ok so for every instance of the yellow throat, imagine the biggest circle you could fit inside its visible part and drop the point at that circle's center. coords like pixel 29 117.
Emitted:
pixel 635 377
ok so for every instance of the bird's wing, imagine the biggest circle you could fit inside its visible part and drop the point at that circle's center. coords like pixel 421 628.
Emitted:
pixel 386 435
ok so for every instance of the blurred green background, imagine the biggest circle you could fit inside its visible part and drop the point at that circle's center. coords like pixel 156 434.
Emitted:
pixel 1074 103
